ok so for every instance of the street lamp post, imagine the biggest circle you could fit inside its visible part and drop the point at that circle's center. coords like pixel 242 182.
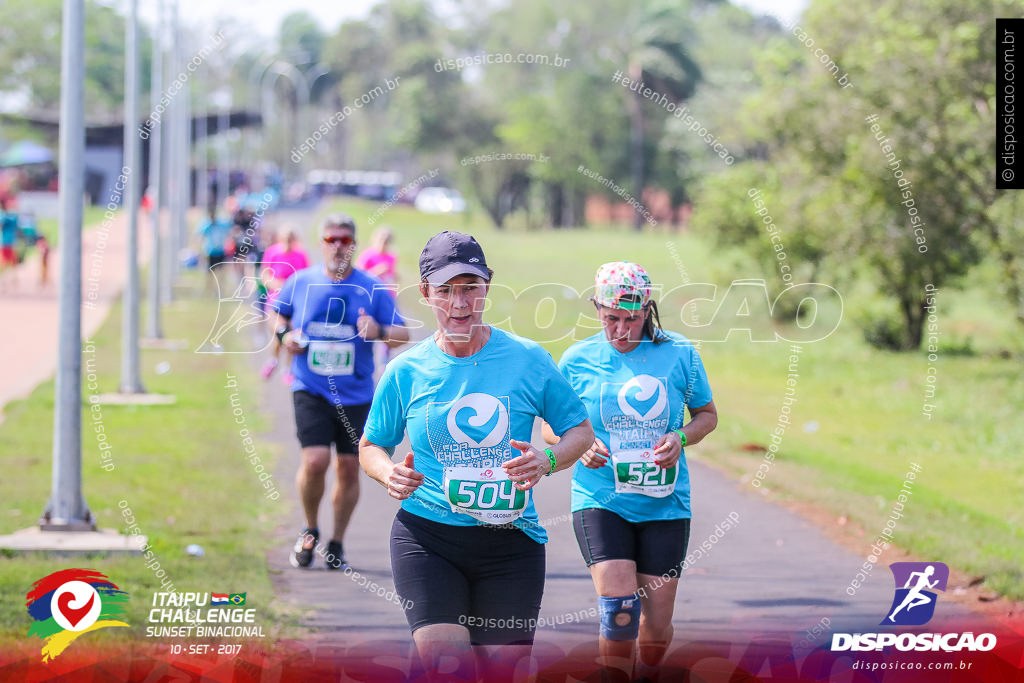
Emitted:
pixel 66 509
pixel 130 379
pixel 153 326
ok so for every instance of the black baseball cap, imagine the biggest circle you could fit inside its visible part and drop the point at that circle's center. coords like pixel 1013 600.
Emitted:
pixel 448 254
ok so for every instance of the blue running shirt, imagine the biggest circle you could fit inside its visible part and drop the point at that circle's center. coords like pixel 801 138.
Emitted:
pixel 633 399
pixel 338 363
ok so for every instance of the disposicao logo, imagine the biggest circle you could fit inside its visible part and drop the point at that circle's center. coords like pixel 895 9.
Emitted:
pixel 913 581
pixel 914 605
pixel 68 603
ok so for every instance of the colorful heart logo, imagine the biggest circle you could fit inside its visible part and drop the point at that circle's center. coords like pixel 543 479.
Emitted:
pixel 75 605
pixel 72 614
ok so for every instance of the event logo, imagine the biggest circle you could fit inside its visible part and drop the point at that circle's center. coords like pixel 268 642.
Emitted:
pixel 486 411
pixel 649 392
pixel 914 603
pixel 70 602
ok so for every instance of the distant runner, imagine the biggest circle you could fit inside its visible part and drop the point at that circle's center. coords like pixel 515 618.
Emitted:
pixel 328 318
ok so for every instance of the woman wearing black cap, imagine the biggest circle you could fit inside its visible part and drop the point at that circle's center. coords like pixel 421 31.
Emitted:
pixel 466 549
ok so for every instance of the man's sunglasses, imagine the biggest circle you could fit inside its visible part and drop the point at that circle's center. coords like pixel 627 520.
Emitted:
pixel 344 240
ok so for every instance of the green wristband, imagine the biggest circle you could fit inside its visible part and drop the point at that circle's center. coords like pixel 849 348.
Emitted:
pixel 681 436
pixel 554 463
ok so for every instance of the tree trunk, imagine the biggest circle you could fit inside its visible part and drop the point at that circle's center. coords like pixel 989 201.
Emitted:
pixel 556 204
pixel 913 321
pixel 636 146
pixel 636 158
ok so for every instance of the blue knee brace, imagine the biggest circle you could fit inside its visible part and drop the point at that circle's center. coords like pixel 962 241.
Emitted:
pixel 620 617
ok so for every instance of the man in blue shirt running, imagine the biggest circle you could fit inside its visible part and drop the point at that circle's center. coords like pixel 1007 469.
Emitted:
pixel 329 316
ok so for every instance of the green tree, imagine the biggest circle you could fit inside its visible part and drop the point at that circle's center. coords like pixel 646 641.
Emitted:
pixel 924 69
pixel 653 43
pixel 30 44
pixel 301 38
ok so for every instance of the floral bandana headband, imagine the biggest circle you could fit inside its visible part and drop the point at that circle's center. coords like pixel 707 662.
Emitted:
pixel 622 284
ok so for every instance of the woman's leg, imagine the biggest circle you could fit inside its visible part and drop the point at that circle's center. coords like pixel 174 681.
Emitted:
pixel 658 596
pixel 615 582
pixel 661 549
pixel 608 544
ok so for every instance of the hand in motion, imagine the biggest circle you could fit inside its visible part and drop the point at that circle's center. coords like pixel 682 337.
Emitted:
pixel 291 342
pixel 596 456
pixel 668 450
pixel 368 328
pixel 526 469
pixel 404 479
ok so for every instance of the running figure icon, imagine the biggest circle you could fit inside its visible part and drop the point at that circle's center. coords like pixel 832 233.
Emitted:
pixel 915 597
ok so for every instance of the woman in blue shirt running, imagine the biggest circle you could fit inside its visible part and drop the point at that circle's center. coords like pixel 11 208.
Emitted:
pixel 467 550
pixel 631 489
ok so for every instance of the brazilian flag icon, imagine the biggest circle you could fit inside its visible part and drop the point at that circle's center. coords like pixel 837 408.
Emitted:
pixel 237 598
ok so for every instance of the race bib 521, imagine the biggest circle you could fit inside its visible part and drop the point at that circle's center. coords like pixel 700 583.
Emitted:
pixel 637 472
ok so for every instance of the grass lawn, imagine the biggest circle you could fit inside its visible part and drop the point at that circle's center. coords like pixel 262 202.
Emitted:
pixel 92 216
pixel 181 469
pixel 965 508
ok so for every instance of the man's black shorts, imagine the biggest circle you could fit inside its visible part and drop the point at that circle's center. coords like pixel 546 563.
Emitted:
pixel 318 422
pixel 656 547
pixel 489 579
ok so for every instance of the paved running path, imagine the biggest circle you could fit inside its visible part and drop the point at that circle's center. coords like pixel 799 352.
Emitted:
pixel 772 574
pixel 28 351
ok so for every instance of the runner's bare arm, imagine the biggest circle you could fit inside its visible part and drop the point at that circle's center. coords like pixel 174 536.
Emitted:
pixel 548 434
pixel 289 342
pixel 594 457
pixel 527 468
pixel 370 329
pixel 397 335
pixel 703 421
pixel 574 443
pixel 400 479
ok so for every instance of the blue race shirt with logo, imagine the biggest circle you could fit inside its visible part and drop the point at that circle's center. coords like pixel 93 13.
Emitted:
pixel 633 399
pixel 464 411
pixel 338 363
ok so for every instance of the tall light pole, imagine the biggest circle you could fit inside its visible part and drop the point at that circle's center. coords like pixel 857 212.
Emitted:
pixel 153 328
pixel 223 124
pixel 186 146
pixel 174 164
pixel 67 509
pixel 131 382
pixel 302 93
pixel 255 77
pixel 202 171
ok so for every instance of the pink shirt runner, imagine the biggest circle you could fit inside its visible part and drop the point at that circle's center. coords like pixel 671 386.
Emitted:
pixel 283 264
pixel 370 259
